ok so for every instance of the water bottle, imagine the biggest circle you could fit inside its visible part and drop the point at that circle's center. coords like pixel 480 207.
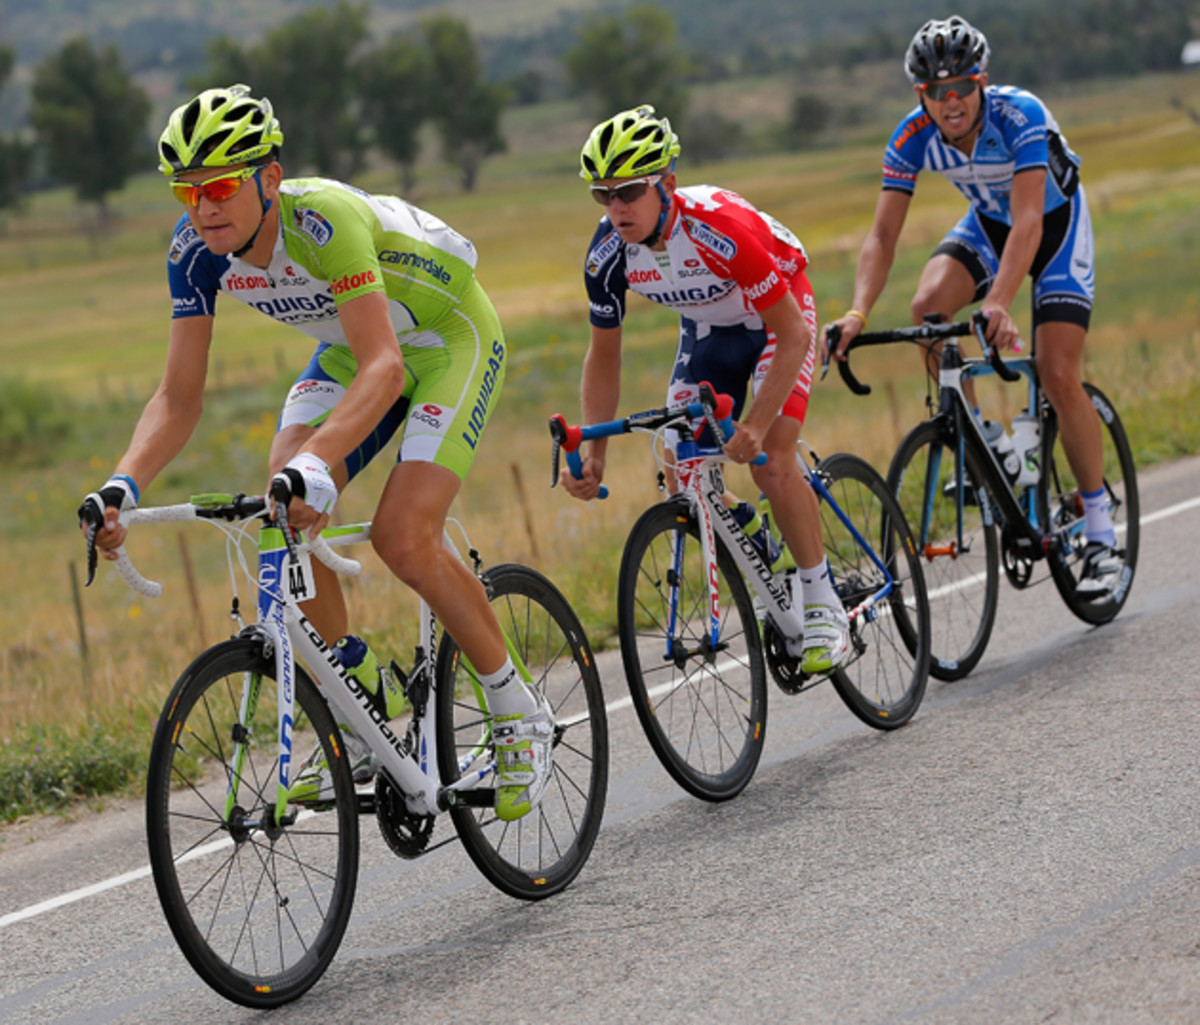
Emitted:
pixel 1027 443
pixel 360 662
pixel 749 520
pixel 1000 443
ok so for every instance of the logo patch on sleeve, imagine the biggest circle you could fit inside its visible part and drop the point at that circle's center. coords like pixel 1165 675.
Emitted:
pixel 602 252
pixel 710 238
pixel 313 225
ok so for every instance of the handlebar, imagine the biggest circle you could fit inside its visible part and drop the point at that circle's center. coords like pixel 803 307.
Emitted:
pixel 715 409
pixel 230 508
pixel 927 332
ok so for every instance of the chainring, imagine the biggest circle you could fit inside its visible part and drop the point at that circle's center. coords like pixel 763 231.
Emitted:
pixel 406 834
pixel 785 668
pixel 1017 567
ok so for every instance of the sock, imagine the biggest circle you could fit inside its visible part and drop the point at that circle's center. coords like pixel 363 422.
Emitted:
pixel 1097 522
pixel 506 693
pixel 817 585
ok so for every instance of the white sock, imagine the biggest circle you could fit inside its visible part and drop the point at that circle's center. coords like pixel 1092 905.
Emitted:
pixel 506 693
pixel 1097 522
pixel 817 582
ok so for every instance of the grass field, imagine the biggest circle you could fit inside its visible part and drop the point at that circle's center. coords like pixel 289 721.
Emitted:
pixel 85 327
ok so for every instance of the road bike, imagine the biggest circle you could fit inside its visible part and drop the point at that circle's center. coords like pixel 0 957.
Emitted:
pixel 257 889
pixel 970 516
pixel 702 618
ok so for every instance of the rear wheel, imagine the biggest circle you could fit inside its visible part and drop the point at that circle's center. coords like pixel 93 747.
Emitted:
pixel 957 543
pixel 702 700
pixel 257 904
pixel 883 679
pixel 1060 511
pixel 539 854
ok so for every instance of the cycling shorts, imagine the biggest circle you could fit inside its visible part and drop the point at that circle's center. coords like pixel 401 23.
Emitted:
pixel 1063 269
pixel 731 356
pixel 452 377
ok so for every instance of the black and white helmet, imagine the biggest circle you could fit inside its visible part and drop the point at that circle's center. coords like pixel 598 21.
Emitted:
pixel 945 49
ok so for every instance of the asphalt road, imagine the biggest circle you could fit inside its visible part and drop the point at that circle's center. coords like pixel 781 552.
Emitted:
pixel 1026 850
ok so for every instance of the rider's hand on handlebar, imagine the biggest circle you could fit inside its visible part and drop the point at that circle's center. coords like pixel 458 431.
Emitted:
pixel 586 487
pixel 307 479
pixel 848 328
pixel 745 445
pixel 105 507
pixel 1001 331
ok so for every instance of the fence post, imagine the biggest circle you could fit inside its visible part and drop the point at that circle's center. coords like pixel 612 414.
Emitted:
pixel 83 648
pixel 529 531
pixel 191 582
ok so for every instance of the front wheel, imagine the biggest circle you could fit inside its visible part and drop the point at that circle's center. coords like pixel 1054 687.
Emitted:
pixel 541 853
pixel 955 534
pixel 883 678
pixel 701 699
pixel 1060 511
pixel 258 905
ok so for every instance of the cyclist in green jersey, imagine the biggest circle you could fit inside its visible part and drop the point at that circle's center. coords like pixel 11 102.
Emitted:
pixel 405 335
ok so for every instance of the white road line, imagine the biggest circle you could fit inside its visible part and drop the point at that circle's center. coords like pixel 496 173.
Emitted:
pixel 621 703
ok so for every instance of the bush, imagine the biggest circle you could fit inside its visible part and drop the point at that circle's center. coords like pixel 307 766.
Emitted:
pixel 34 420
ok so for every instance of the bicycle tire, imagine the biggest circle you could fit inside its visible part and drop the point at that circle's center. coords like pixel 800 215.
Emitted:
pixel 258 908
pixel 541 853
pixel 705 719
pixel 962 580
pixel 1057 509
pixel 883 680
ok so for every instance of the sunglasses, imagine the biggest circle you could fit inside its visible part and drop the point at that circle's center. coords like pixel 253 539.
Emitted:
pixel 942 91
pixel 627 192
pixel 215 190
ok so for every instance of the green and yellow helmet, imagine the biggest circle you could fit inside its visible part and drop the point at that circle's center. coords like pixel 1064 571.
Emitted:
pixel 632 143
pixel 218 128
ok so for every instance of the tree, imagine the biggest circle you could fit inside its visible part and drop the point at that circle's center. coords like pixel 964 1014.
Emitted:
pixel 396 82
pixel 14 154
pixel 625 60
pixel 466 109
pixel 91 116
pixel 307 68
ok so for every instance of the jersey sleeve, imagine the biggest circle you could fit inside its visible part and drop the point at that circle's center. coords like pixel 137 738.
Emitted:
pixel 904 155
pixel 336 232
pixel 604 277
pixel 1024 122
pixel 193 273
pixel 732 239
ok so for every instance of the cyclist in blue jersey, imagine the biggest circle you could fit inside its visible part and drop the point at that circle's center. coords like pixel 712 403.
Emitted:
pixel 405 338
pixel 1027 215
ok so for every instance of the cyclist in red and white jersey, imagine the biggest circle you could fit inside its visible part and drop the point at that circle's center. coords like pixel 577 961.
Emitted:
pixel 736 276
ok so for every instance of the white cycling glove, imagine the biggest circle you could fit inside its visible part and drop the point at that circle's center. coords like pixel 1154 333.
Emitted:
pixel 120 492
pixel 316 485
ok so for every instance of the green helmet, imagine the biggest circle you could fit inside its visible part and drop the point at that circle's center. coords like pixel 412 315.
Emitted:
pixel 218 128
pixel 632 143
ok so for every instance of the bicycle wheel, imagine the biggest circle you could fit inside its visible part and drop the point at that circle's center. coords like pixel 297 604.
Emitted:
pixel 958 545
pixel 537 855
pixel 883 680
pixel 1061 510
pixel 702 701
pixel 258 906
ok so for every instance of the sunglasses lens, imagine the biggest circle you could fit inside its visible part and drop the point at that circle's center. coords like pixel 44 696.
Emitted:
pixel 627 194
pixel 942 91
pixel 216 190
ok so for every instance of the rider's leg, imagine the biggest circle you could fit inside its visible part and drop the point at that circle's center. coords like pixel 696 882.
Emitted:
pixel 946 286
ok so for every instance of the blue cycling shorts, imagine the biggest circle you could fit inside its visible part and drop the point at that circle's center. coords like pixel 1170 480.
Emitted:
pixel 1063 269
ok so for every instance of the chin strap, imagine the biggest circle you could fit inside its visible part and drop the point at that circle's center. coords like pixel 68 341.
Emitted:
pixel 266 205
pixel 656 234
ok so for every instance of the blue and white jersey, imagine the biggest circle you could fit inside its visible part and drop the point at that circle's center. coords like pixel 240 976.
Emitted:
pixel 1017 133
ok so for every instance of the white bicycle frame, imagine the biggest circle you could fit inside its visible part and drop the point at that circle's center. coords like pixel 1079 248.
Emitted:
pixel 284 580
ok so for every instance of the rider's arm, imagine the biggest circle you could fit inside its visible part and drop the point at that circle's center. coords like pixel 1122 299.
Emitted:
pixel 1027 202
pixel 168 419
pixel 174 409
pixel 376 386
pixel 875 259
pixel 600 394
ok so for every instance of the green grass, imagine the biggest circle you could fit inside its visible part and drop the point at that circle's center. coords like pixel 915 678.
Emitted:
pixel 85 333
